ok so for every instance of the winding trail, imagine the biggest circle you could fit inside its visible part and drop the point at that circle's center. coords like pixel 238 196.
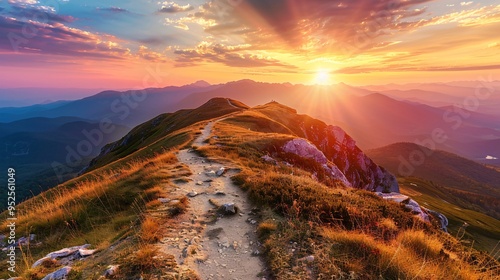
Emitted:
pixel 216 247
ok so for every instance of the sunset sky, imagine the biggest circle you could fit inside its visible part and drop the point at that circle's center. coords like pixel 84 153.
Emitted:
pixel 116 43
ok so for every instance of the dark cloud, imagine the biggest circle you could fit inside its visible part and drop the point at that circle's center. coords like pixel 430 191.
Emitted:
pixel 56 39
pixel 172 8
pixel 156 40
pixel 234 56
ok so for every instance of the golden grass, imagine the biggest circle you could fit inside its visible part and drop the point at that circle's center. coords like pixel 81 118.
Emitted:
pixel 150 230
pixel 265 228
pixel 352 234
pixel 144 258
pixel 422 244
pixel 409 256
pixel 98 208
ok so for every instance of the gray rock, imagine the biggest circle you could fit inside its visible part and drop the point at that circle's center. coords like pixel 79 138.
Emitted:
pixel 408 203
pixel 306 149
pixel 23 241
pixel 66 251
pixel 309 259
pixel 163 200
pixel 219 192
pixel 192 194
pixel 40 261
pixel 111 271
pixel 86 252
pixel 211 173
pixel 268 159
pixel 220 172
pixel 229 208
pixel 60 274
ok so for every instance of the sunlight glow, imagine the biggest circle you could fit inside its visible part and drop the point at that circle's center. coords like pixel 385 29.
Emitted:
pixel 322 77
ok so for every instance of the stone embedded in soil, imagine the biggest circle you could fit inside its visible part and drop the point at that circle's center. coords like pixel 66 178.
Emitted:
pixel 192 194
pixel 60 274
pixel 163 200
pixel 229 208
pixel 220 172
pixel 111 271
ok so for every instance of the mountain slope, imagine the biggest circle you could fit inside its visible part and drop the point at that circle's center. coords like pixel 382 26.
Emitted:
pixel 155 129
pixel 463 190
pixel 139 199
pixel 440 167
pixel 46 151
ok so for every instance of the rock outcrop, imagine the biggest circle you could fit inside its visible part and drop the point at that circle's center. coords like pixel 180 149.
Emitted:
pixel 303 148
pixel 341 150
pixel 408 203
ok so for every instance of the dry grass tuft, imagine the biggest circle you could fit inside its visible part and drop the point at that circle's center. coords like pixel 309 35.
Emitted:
pixel 144 258
pixel 150 230
pixel 265 228
pixel 424 245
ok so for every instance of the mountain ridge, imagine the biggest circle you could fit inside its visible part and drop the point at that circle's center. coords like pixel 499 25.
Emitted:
pixel 164 204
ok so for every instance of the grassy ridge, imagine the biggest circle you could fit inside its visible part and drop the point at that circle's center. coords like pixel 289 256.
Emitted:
pixel 348 233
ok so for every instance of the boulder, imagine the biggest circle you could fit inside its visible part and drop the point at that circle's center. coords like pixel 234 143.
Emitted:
pixel 408 203
pixel 220 172
pixel 66 251
pixel 66 255
pixel 339 149
pixel 111 271
pixel 228 209
pixel 86 252
pixel 60 274
pixel 41 261
pixel 305 149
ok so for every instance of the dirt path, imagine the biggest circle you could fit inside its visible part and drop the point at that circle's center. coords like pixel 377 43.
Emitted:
pixel 216 246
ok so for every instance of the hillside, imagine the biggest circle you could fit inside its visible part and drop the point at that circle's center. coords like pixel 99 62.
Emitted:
pixel 455 186
pixel 441 167
pixel 250 193
pixel 44 151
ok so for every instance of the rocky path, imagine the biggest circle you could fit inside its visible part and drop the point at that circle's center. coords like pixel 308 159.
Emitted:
pixel 216 244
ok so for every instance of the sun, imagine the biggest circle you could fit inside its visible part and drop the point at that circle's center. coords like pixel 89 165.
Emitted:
pixel 322 77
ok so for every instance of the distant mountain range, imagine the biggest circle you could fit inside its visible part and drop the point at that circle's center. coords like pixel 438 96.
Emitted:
pixel 374 116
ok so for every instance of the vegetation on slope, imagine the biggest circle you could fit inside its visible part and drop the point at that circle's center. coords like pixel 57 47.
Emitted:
pixel 475 186
pixel 471 226
pixel 320 230
pixel 312 229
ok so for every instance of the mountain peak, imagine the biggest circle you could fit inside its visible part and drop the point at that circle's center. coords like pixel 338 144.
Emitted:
pixel 199 84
